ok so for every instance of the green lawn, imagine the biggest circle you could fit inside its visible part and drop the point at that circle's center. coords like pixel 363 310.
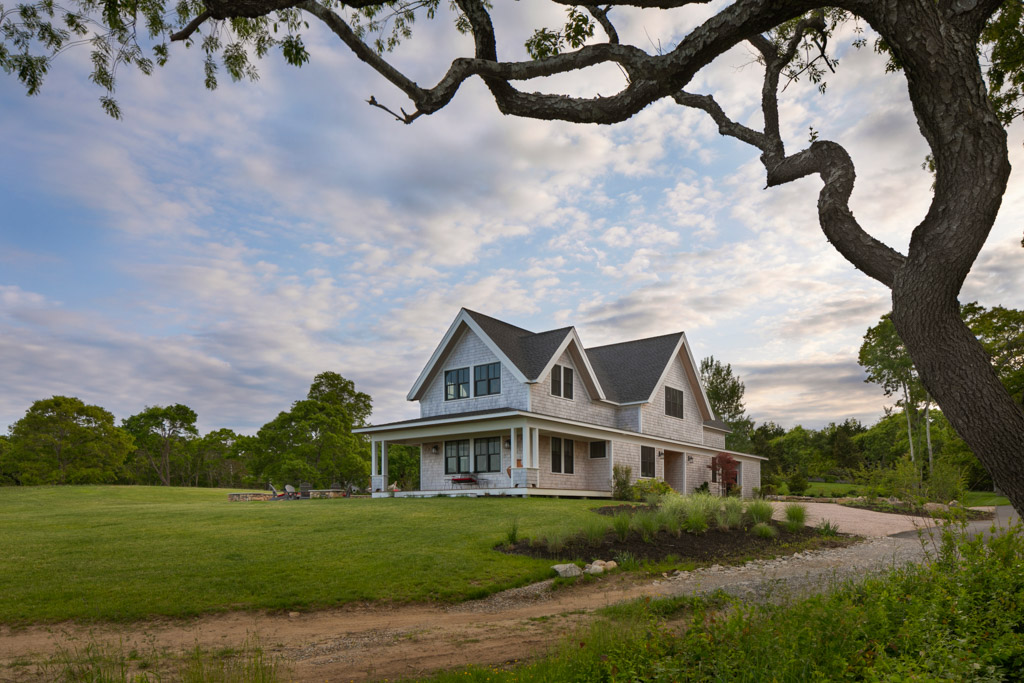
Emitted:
pixel 123 553
pixel 835 490
pixel 977 498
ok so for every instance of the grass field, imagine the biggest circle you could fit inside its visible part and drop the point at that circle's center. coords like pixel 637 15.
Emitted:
pixel 125 553
pixel 976 498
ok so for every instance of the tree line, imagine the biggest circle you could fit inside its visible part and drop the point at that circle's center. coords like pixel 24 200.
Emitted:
pixel 63 440
pixel 912 430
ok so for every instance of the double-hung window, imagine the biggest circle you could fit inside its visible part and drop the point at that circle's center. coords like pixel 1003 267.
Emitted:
pixel 488 454
pixel 456 456
pixel 487 379
pixel 562 456
pixel 646 461
pixel 598 449
pixel 561 381
pixel 674 402
pixel 456 384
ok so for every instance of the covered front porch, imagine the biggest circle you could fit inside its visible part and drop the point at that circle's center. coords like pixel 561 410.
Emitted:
pixel 497 456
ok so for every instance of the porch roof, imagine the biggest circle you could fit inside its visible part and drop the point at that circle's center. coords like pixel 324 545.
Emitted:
pixel 537 419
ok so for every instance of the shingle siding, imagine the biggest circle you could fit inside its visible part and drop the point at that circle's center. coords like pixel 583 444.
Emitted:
pixel 656 423
pixel 433 478
pixel 468 352
pixel 581 408
pixel 713 438
pixel 589 475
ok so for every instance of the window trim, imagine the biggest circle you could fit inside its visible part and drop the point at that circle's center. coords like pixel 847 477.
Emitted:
pixel 458 457
pixel 562 378
pixel 488 455
pixel 681 403
pixel 457 384
pixel 604 450
pixel 489 381
pixel 566 455
pixel 653 460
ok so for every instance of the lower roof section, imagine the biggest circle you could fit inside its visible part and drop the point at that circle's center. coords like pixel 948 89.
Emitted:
pixel 437 427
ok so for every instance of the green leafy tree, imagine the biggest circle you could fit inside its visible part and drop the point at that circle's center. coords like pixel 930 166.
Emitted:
pixel 313 441
pixel 404 465
pixel 888 364
pixel 960 59
pixel 330 387
pixel 1001 332
pixel 163 436
pixel 213 460
pixel 61 440
pixel 725 393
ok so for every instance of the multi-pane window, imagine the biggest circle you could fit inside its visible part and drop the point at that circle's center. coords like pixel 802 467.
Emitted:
pixel 488 454
pixel 456 456
pixel 561 381
pixel 562 456
pixel 487 379
pixel 674 402
pixel 598 449
pixel 646 461
pixel 456 384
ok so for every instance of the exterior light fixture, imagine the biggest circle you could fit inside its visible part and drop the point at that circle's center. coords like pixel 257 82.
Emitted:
pixel 433 449
pixel 508 443
pixel 689 458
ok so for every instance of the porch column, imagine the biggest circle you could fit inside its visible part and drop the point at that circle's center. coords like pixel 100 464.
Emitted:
pixel 527 451
pixel 384 464
pixel 535 445
pixel 373 457
pixel 511 452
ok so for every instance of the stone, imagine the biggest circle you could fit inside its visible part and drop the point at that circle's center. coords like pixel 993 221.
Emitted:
pixel 593 569
pixel 935 507
pixel 567 570
pixel 610 565
pixel 599 563
pixel 954 504
pixel 293 615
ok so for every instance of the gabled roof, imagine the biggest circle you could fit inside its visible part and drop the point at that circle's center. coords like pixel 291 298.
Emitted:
pixel 630 371
pixel 627 372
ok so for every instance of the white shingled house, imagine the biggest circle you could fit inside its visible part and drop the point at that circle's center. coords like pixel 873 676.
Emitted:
pixel 505 411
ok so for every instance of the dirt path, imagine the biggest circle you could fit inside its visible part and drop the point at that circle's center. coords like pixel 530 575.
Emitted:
pixel 372 642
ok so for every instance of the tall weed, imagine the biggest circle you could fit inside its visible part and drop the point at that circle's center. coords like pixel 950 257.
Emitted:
pixel 621 524
pixel 646 524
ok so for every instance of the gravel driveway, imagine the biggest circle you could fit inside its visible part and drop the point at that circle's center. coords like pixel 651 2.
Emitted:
pixel 867 523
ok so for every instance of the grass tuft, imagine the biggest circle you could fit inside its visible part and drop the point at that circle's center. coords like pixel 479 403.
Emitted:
pixel 796 517
pixel 760 511
pixel 764 530
pixel 621 523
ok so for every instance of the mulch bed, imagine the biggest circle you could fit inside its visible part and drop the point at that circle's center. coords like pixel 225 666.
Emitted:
pixel 711 547
pixel 911 511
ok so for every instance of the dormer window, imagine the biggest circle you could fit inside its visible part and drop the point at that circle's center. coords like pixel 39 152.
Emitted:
pixel 456 384
pixel 674 400
pixel 487 379
pixel 561 381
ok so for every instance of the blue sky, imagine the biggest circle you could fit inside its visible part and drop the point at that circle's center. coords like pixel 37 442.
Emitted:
pixel 220 249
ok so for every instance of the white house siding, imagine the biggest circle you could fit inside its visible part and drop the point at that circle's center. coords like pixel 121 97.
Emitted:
pixel 433 478
pixel 751 476
pixel 468 352
pixel 698 472
pixel 581 408
pixel 657 423
pixel 588 475
pixel 713 438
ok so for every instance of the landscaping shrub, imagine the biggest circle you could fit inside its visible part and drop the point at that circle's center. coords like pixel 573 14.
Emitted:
pixel 828 528
pixel 947 482
pixel 621 523
pixel 703 488
pixel 699 509
pixel 783 489
pixel 730 515
pixel 646 525
pixel 512 531
pixel 627 561
pixel 796 517
pixel 622 488
pixel 760 511
pixel 651 490
pixel 594 529
pixel 798 484
pixel 763 530
pixel 766 490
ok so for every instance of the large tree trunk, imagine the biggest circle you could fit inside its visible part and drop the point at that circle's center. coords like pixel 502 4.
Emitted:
pixel 936 43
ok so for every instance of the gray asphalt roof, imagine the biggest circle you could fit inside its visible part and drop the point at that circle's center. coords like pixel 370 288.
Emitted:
pixel 629 371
